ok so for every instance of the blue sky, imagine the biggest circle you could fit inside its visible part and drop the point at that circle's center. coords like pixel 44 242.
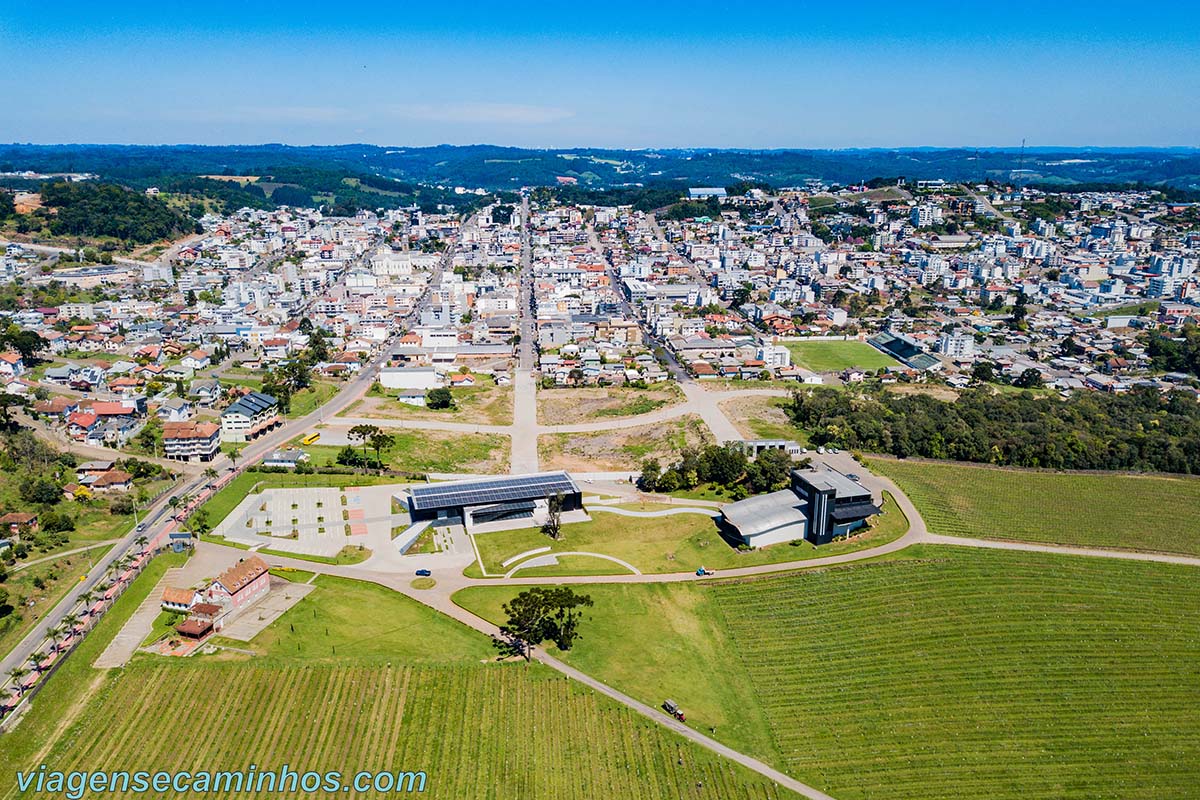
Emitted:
pixel 619 74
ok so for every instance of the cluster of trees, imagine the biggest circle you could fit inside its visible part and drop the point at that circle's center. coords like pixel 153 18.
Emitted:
pixel 1176 355
pixel 106 209
pixel 1140 430
pixel 287 379
pixel 987 372
pixel 541 614
pixel 721 465
pixel 710 207
pixel 439 398
pixel 371 436
pixel 8 206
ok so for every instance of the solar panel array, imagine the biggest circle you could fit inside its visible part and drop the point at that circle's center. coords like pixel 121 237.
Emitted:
pixel 493 490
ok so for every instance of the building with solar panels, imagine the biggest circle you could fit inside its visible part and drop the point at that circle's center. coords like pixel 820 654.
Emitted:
pixel 818 507
pixel 519 499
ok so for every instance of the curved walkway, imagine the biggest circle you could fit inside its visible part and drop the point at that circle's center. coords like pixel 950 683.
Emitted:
pixel 551 559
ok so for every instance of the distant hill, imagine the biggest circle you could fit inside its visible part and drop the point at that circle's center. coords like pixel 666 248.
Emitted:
pixel 498 168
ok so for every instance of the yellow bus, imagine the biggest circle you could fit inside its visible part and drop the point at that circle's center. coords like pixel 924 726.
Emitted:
pixel 311 438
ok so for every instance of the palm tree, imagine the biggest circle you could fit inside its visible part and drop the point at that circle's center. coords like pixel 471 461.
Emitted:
pixel 17 673
pixel 55 632
pixel 87 598
pixel 210 473
pixel 234 455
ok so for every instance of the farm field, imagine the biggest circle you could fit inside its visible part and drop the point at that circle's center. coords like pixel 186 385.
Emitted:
pixel 622 449
pixel 586 404
pixel 476 731
pixel 835 356
pixel 675 543
pixel 945 673
pixel 486 404
pixel 1119 511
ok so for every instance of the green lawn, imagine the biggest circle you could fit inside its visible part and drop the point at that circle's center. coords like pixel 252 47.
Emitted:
pixel 431 451
pixel 1120 511
pixel 835 356
pixel 350 554
pixel 309 400
pixel 947 673
pixel 343 619
pixel 676 543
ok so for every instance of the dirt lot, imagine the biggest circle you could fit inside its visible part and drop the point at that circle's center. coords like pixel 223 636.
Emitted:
pixel 486 404
pixel 936 392
pixel 584 404
pixel 761 418
pixel 622 449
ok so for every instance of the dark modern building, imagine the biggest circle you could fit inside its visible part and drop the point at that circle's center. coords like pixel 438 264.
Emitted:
pixel 475 502
pixel 818 507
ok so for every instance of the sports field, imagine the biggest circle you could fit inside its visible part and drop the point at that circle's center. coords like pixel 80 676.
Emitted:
pixel 475 731
pixel 835 356
pixel 945 673
pixel 1119 511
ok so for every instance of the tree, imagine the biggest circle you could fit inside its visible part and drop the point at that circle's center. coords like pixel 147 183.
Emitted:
pixel 984 371
pixel 17 673
pixel 379 442
pixel 198 523
pixel 538 614
pixel 210 473
pixel 234 454
pixel 1030 378
pixel 651 471
pixel 528 621
pixel 769 471
pixel 39 490
pixel 553 526
pixel 363 433
pixel 439 398
pixel 567 613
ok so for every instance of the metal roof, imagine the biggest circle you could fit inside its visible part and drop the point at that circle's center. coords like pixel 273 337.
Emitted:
pixel 765 512
pixel 492 490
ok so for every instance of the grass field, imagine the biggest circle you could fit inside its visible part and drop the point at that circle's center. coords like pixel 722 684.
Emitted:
pixel 947 673
pixel 835 356
pixel 432 451
pixel 476 731
pixel 676 543
pixel 344 619
pixel 1120 511
pixel 309 400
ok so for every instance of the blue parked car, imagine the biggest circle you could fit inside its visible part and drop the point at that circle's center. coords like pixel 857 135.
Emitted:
pixel 423 573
